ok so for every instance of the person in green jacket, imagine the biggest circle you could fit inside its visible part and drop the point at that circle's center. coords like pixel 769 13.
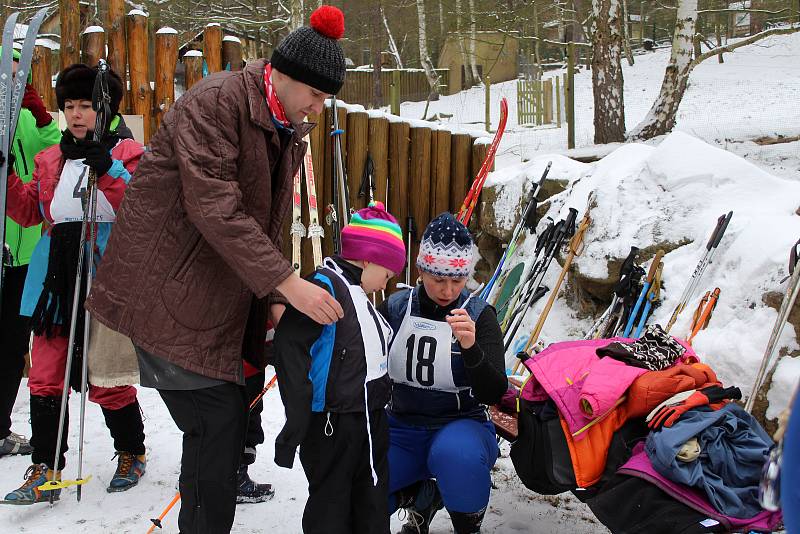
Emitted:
pixel 36 130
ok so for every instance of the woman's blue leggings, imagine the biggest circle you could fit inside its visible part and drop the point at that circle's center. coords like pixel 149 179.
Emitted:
pixel 458 455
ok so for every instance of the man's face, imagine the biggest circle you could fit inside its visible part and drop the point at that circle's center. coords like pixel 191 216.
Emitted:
pixel 299 100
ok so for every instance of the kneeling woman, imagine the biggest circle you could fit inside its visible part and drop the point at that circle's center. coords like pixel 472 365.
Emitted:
pixel 446 364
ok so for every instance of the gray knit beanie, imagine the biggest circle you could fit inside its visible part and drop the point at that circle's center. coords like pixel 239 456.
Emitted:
pixel 312 55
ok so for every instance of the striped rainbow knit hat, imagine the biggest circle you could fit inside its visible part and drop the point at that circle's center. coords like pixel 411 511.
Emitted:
pixel 373 235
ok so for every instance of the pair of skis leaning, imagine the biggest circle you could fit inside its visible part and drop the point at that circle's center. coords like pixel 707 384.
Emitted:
pixel 12 88
pixel 297 230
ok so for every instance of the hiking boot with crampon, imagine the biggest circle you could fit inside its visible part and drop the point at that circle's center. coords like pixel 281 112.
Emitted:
pixel 29 492
pixel 427 502
pixel 130 468
pixel 14 444
pixel 249 491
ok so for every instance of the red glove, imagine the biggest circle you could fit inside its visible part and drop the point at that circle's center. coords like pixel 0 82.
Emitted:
pixel 672 410
pixel 33 102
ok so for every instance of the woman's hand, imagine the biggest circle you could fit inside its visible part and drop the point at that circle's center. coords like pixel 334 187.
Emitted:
pixel 463 327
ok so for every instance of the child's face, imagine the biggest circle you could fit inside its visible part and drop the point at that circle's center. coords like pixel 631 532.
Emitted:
pixel 374 277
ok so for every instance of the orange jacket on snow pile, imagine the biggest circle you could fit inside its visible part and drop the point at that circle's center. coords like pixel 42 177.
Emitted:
pixel 645 393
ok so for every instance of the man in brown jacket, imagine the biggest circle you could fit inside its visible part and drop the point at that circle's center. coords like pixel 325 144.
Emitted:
pixel 194 265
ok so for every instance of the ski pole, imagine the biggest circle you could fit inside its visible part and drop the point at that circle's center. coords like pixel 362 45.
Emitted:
pixel 711 298
pixel 787 304
pixel 527 221
pixel 157 521
pixel 624 273
pixel 575 249
pixel 711 248
pixel 340 176
pixel 643 293
pixel 650 299
pixel 412 237
pixel 566 230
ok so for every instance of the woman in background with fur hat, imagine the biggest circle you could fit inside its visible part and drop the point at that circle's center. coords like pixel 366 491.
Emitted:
pixel 55 197
pixel 446 365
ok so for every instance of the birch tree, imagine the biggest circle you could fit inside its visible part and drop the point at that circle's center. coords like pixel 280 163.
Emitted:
pixel 296 15
pixel 661 117
pixel 424 58
pixel 466 69
pixel 473 39
pixel 607 80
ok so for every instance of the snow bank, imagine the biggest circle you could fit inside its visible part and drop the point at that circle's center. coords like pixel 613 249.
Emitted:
pixel 674 193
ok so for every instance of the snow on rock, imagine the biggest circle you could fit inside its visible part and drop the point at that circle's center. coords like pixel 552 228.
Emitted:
pixel 673 193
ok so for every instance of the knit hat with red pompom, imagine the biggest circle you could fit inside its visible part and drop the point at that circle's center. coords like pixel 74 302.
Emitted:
pixel 313 55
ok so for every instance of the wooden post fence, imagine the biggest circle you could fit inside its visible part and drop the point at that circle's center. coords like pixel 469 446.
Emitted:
pixel 166 61
pixel 440 172
pixel 140 93
pixel 212 47
pixel 70 16
pixel 93 45
pixel 231 53
pixel 357 133
pixel 460 169
pixel 398 173
pixel 41 70
pixel 379 152
pixel 117 52
pixel 420 185
pixel 193 66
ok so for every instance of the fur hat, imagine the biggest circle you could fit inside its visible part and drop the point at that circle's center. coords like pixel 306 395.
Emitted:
pixel 76 82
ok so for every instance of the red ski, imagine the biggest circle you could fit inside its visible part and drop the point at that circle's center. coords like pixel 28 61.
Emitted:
pixel 471 200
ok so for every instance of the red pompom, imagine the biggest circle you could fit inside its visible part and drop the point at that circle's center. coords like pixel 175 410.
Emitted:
pixel 329 21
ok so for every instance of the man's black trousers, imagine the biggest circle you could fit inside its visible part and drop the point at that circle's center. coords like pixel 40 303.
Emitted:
pixel 213 422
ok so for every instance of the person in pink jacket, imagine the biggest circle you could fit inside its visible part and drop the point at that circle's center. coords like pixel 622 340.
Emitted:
pixel 55 197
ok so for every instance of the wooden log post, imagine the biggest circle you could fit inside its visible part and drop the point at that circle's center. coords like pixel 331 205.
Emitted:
pixel 193 65
pixel 460 169
pixel 166 61
pixel 117 52
pixel 357 132
pixel 379 152
pixel 398 177
pixel 41 74
pixel 231 53
pixel 93 45
pixel 212 47
pixel 141 97
pixel 480 147
pixel 70 17
pixel 419 194
pixel 440 171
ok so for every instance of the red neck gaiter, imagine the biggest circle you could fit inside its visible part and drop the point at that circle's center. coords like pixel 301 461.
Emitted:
pixel 274 104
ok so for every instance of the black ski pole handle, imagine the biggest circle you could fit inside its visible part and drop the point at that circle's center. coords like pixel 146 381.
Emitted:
pixel 719 231
pixel 544 237
pixel 627 265
pixel 569 224
pixel 793 257
pixel 544 176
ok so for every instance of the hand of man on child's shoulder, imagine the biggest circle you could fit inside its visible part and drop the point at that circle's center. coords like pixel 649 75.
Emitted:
pixel 311 300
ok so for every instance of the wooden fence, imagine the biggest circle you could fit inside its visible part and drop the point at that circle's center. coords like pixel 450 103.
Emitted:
pixel 540 101
pixel 413 85
pixel 419 171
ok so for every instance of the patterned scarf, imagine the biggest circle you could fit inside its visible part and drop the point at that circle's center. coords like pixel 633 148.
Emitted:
pixel 274 104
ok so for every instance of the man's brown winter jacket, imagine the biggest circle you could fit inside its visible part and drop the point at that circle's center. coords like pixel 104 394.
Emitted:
pixel 200 229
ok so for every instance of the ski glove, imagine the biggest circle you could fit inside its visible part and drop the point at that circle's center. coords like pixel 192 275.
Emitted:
pixel 33 102
pixel 10 162
pixel 97 157
pixel 667 413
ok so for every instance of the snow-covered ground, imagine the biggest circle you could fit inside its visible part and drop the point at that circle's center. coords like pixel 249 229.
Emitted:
pixel 755 92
